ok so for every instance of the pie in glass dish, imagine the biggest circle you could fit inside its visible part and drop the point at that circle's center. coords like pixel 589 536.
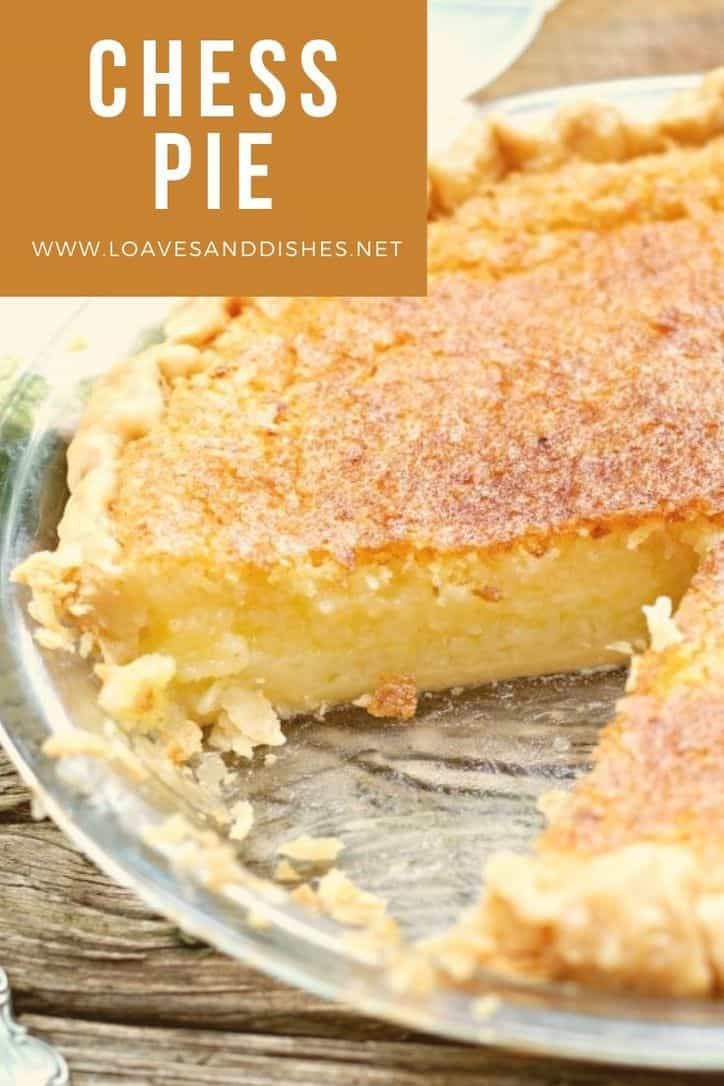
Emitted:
pixel 292 504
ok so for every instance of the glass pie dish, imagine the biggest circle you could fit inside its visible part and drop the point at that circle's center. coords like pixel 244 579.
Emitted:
pixel 419 808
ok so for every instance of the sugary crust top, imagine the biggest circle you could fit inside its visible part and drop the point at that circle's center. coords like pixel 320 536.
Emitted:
pixel 585 391
pixel 531 219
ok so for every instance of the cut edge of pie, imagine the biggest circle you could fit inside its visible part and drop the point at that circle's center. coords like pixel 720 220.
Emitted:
pixel 626 888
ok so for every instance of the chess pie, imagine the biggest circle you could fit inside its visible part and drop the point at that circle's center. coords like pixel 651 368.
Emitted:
pixel 295 503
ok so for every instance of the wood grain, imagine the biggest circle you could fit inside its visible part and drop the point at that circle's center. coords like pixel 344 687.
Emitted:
pixel 13 797
pixel 119 1054
pixel 61 919
pixel 589 40
pixel 128 999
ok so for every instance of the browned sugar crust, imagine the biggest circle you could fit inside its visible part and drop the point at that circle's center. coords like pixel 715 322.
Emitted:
pixel 530 219
pixel 584 391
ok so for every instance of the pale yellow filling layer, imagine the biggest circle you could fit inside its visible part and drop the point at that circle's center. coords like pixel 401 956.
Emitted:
pixel 307 635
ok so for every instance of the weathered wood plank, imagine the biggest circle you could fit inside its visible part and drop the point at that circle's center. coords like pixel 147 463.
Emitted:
pixel 14 798
pixel 591 40
pixel 75 942
pixel 122 1055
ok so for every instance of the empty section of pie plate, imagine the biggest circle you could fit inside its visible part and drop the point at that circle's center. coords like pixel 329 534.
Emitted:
pixel 417 807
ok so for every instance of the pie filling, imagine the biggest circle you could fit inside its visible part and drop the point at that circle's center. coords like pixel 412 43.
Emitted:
pixel 316 635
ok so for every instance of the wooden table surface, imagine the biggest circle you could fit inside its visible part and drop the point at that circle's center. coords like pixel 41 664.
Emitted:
pixel 118 989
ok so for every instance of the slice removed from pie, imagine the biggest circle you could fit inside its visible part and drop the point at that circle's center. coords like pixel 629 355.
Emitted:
pixel 299 503
pixel 626 889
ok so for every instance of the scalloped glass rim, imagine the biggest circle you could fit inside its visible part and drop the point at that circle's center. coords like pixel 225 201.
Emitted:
pixel 102 818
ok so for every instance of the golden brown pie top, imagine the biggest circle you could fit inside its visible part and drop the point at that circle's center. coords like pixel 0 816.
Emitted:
pixel 489 411
pixel 530 219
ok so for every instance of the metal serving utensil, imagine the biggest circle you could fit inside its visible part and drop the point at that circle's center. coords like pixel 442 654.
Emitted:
pixel 25 1060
